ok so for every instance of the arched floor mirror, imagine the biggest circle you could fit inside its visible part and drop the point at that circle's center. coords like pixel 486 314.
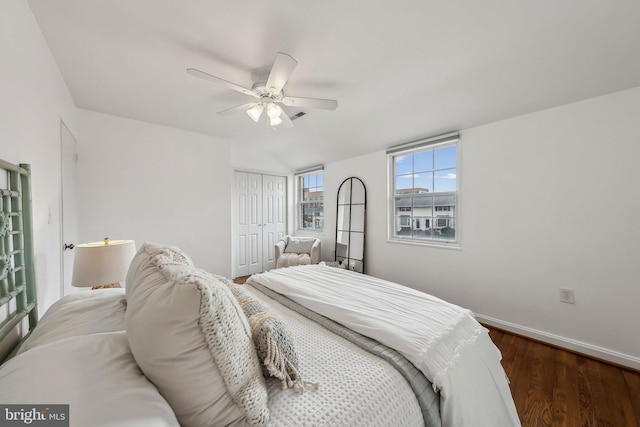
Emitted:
pixel 350 224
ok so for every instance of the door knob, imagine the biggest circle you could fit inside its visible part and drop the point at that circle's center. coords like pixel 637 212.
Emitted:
pixel 68 246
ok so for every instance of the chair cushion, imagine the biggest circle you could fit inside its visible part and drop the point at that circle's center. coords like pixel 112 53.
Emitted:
pixel 191 339
pixel 292 259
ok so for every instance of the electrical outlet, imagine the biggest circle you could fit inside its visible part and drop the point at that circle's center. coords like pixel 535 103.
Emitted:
pixel 567 296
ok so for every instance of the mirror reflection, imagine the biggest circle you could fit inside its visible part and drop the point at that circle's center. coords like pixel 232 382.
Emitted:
pixel 344 217
pixel 344 196
pixel 357 218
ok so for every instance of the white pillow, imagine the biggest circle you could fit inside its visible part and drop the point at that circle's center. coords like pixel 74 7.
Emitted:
pixel 191 339
pixel 298 246
pixel 95 375
pixel 80 313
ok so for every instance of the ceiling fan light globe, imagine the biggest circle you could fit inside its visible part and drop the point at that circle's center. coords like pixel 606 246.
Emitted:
pixel 273 111
pixel 255 112
pixel 275 121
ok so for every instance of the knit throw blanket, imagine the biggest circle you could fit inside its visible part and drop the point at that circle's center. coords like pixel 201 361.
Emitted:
pixel 272 340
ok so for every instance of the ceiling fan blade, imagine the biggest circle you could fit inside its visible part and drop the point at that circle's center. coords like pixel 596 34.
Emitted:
pixel 282 68
pixel 324 104
pixel 243 107
pixel 207 76
pixel 286 121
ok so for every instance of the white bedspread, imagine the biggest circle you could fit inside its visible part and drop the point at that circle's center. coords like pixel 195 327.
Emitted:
pixel 355 388
pixel 443 340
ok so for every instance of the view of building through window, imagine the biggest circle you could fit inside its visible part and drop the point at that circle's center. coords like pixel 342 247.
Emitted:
pixel 311 206
pixel 424 194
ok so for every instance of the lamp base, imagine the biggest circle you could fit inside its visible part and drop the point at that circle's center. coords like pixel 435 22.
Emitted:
pixel 112 285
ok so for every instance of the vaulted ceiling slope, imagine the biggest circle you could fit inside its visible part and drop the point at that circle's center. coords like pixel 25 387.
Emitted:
pixel 399 70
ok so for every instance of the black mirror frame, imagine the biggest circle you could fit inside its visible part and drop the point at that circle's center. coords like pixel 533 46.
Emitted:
pixel 351 262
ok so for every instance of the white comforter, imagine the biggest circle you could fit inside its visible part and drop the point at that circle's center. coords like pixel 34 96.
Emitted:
pixel 355 388
pixel 443 340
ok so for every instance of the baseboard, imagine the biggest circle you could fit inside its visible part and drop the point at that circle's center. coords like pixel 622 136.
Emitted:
pixel 563 342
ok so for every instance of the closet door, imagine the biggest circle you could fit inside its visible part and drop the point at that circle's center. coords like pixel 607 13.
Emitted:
pixel 248 248
pixel 259 214
pixel 255 223
pixel 273 217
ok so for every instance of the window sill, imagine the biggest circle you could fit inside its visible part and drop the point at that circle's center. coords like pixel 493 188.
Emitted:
pixel 429 243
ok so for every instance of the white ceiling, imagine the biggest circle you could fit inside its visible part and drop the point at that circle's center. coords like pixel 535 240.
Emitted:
pixel 400 70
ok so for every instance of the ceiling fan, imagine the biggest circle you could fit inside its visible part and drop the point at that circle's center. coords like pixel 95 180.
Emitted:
pixel 269 94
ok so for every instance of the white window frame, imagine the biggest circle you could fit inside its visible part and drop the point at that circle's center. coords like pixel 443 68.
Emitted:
pixel 299 176
pixel 414 147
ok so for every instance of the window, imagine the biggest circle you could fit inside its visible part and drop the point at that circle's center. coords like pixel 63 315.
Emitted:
pixel 310 200
pixel 424 190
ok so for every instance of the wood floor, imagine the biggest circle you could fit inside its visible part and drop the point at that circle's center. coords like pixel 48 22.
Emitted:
pixel 554 387
pixel 558 388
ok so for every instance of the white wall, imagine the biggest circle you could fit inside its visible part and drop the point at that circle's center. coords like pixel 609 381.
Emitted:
pixel 33 100
pixel 153 183
pixel 250 159
pixel 567 181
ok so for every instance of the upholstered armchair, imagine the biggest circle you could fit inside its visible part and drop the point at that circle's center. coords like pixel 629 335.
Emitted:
pixel 292 251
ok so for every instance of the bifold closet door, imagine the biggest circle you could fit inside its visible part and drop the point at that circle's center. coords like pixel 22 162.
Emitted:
pixel 249 223
pixel 260 215
pixel 273 217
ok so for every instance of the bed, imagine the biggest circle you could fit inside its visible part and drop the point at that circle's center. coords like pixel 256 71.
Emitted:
pixel 296 346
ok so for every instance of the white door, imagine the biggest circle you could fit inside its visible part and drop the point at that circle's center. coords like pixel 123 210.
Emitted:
pixel 68 164
pixel 273 217
pixel 248 224
pixel 259 214
pixel 254 198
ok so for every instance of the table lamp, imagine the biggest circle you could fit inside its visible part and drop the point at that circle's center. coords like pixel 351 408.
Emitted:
pixel 102 264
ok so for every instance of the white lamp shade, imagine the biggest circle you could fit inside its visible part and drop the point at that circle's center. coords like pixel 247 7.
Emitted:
pixel 255 112
pixel 274 111
pixel 275 121
pixel 100 263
